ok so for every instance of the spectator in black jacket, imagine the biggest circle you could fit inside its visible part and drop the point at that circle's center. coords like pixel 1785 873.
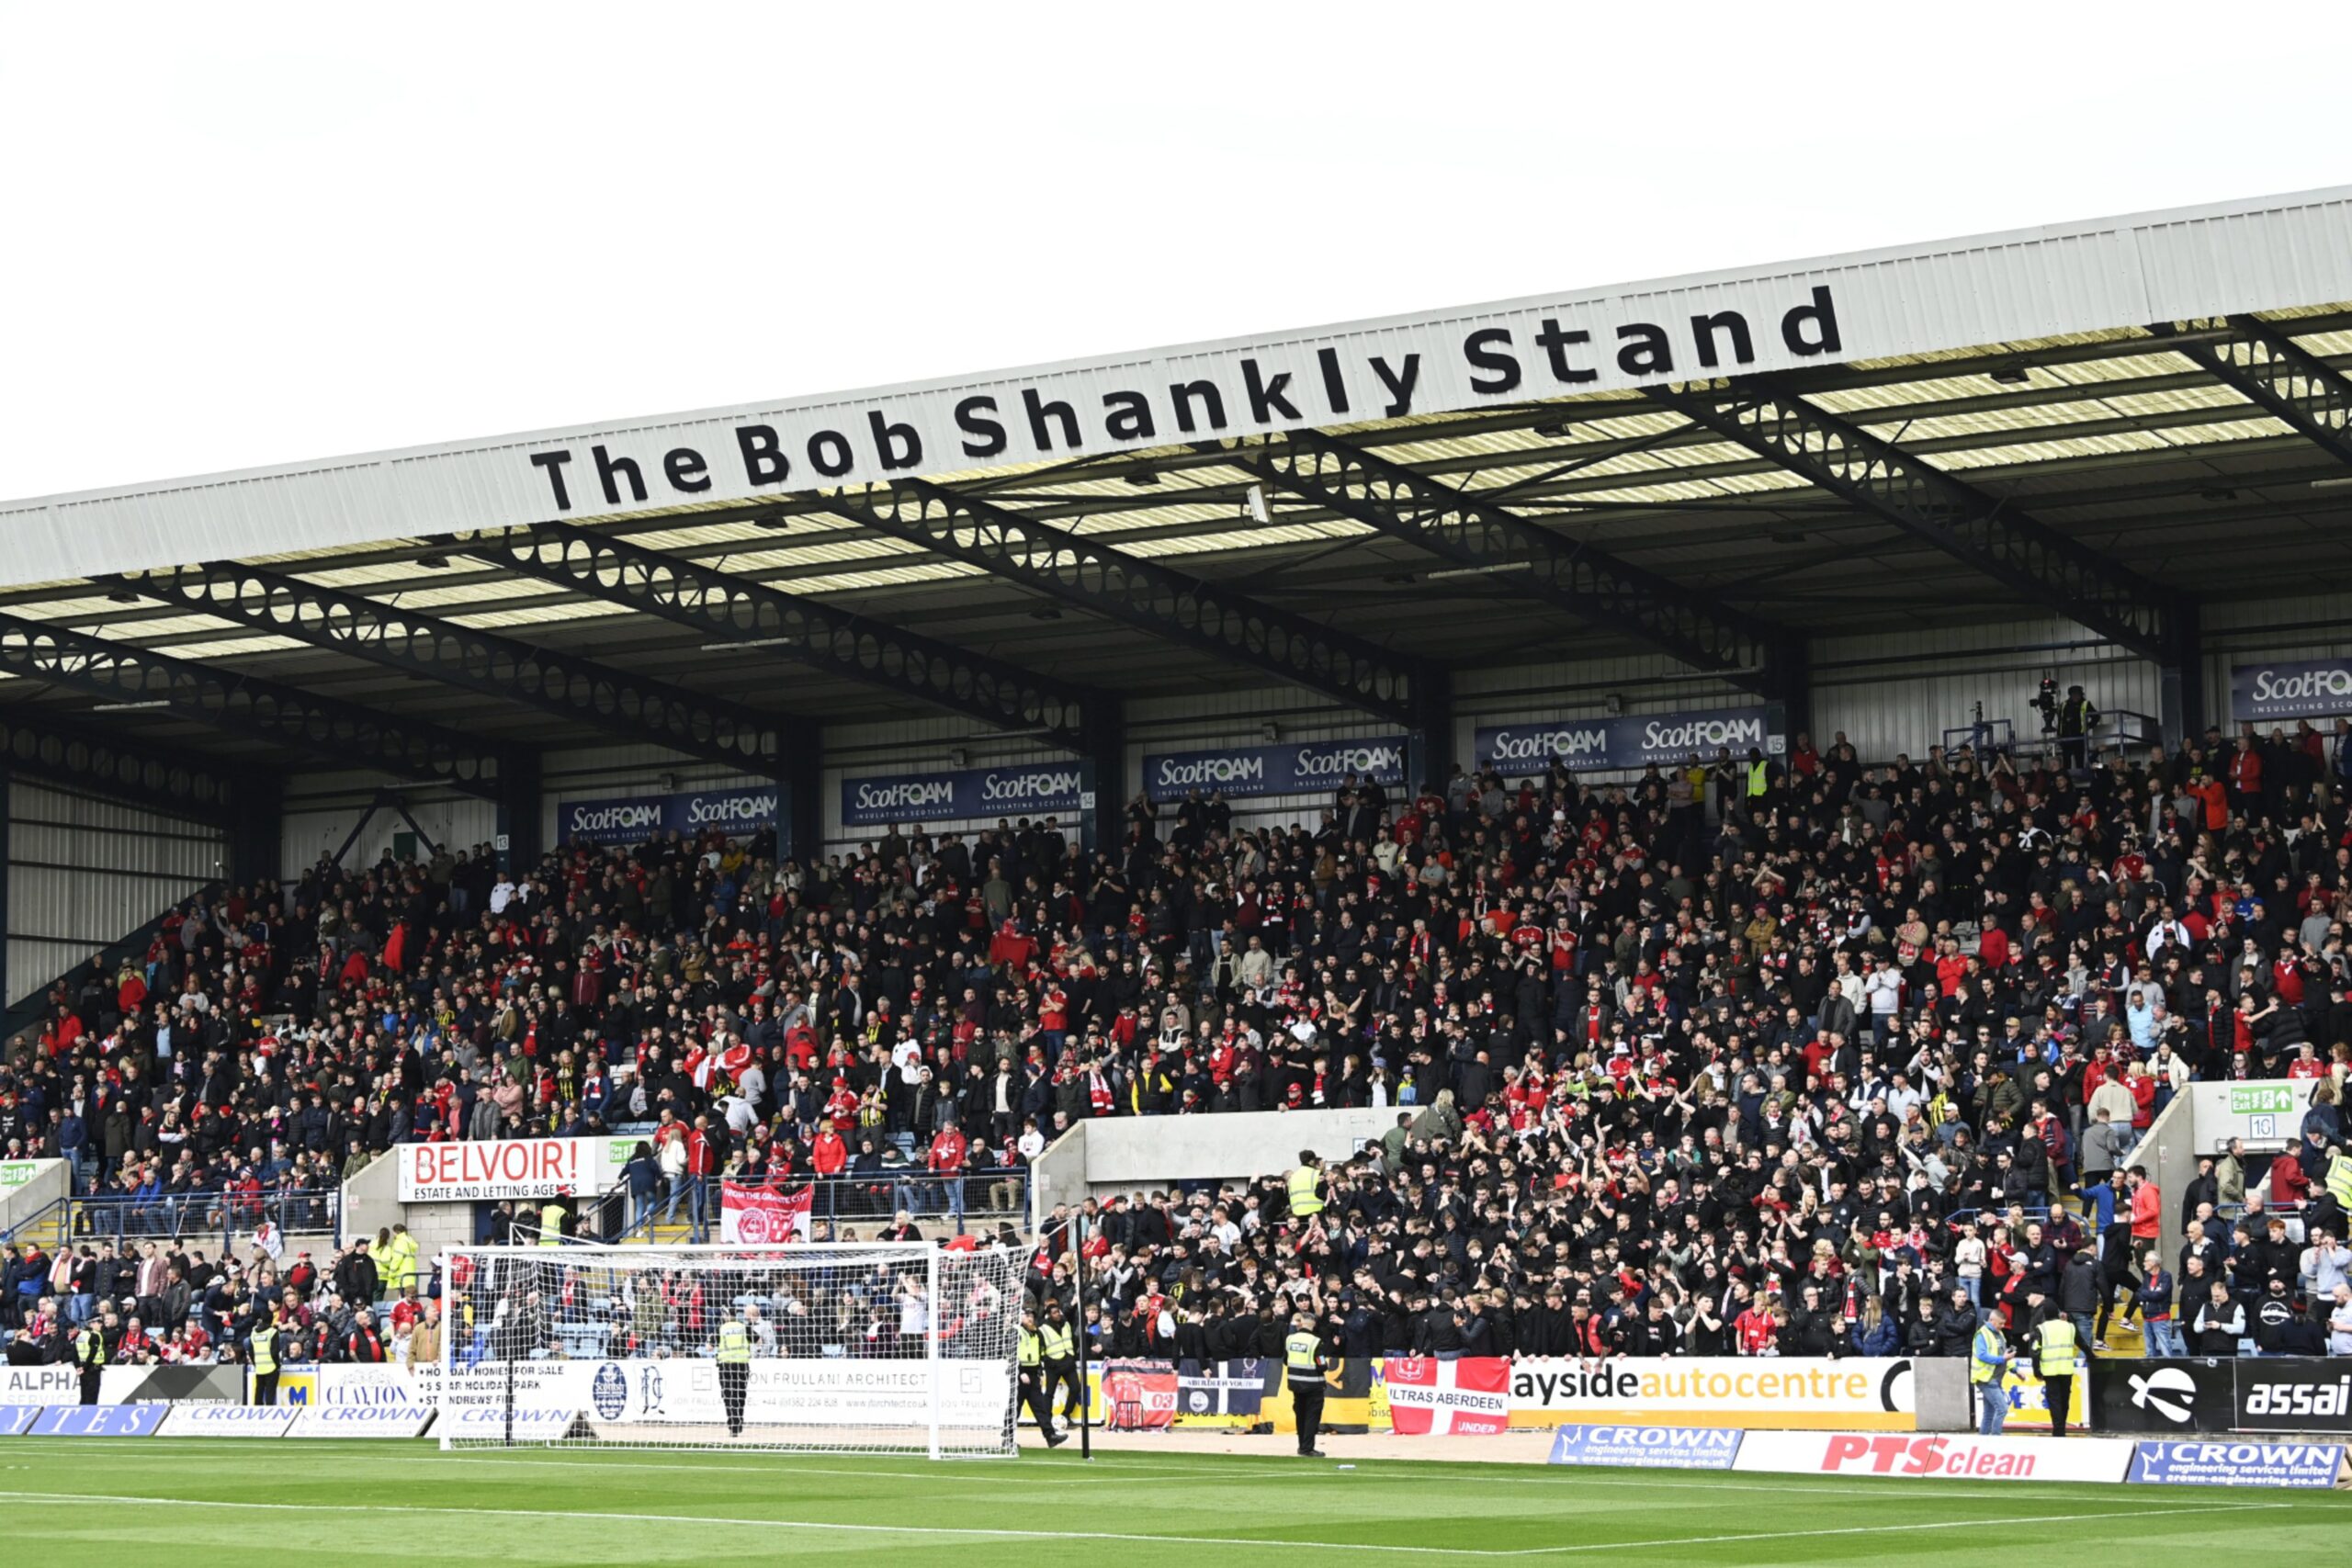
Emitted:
pixel 1955 1325
pixel 2216 1323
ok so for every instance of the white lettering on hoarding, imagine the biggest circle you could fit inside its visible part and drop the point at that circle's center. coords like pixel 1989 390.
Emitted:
pixel 2269 686
pixel 1538 745
pixel 1689 733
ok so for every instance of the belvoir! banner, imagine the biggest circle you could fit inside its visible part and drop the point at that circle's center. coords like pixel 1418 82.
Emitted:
pixel 1617 745
pixel 2305 688
pixel 1032 789
pixel 632 820
pixel 1301 767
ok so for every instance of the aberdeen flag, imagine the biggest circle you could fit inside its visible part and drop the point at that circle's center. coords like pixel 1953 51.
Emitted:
pixel 1428 1397
pixel 761 1215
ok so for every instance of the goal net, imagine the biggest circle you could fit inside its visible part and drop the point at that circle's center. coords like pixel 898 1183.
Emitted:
pixel 877 1348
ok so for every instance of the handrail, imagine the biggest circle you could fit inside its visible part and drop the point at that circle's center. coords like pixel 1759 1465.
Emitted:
pixel 121 1216
pixel 845 1199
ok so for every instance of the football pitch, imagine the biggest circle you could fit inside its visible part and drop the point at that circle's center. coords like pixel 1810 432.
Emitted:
pixel 201 1502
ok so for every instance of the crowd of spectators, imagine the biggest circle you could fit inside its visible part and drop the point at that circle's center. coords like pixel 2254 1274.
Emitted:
pixel 1800 1056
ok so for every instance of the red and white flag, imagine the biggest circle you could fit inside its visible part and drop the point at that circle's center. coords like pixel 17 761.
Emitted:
pixel 761 1215
pixel 1428 1397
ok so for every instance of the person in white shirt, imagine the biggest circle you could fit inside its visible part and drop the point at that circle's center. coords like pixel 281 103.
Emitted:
pixel 501 893
pixel 2170 928
pixel 1884 987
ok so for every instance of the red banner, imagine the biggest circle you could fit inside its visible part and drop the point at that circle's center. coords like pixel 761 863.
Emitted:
pixel 761 1215
pixel 1140 1396
pixel 1428 1397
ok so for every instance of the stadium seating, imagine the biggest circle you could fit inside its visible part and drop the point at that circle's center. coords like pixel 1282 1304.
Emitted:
pixel 1817 1059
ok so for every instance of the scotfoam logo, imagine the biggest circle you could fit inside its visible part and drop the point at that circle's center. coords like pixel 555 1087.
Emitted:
pixel 1679 736
pixel 2269 686
pixel 1221 770
pixel 1538 745
pixel 905 795
pixel 1031 783
pixel 640 813
pixel 1335 761
pixel 748 806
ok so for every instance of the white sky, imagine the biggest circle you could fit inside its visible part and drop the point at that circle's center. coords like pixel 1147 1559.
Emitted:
pixel 239 236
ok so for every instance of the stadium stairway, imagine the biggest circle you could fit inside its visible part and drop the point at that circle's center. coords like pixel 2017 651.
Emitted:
pixel 46 1227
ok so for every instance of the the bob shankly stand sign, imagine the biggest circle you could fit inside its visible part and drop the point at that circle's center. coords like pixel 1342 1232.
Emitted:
pixel 2261 254
pixel 1376 373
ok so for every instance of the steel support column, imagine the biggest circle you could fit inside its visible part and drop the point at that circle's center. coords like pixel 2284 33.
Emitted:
pixel 1591 584
pixel 1428 743
pixel 800 795
pixel 2044 565
pixel 2180 676
pixel 1174 605
pixel 257 832
pixel 1788 685
pixel 1102 766
pixel 585 690
pixel 518 811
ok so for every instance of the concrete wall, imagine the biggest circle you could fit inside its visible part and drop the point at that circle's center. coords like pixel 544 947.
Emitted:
pixel 371 1201
pixel 1123 1154
pixel 1939 1383
pixel 45 1182
pixel 2170 1151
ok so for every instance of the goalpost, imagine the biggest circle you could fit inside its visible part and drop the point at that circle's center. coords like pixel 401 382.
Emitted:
pixel 874 1348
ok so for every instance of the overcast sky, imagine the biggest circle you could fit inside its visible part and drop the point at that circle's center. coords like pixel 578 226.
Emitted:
pixel 238 236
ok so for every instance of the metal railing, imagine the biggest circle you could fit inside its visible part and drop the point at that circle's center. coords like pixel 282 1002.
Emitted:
pixel 982 1198
pixel 226 1217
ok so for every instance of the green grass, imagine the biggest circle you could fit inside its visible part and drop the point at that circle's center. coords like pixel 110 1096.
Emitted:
pixel 194 1503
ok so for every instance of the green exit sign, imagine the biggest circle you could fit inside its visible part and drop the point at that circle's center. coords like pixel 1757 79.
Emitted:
pixel 2255 1099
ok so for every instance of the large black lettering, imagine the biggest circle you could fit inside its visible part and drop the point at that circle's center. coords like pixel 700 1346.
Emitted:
pixel 1039 412
pixel 1705 329
pixel 1646 350
pixel 1556 344
pixel 829 453
pixel 1400 383
pixel 1127 416
pixel 989 433
pixel 686 470
pixel 1483 350
pixel 609 468
pixel 1822 316
pixel 1335 385
pixel 551 464
pixel 763 459
pixel 897 444
pixel 1267 398
pixel 1184 394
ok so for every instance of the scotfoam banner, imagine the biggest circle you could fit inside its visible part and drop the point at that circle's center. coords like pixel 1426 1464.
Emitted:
pixel 632 820
pixel 1624 744
pixel 2305 688
pixel 1303 767
pixel 965 795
